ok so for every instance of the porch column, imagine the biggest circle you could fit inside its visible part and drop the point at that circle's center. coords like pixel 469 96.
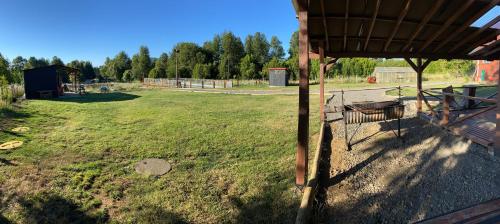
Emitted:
pixel 303 123
pixel 419 69
pixel 497 133
pixel 419 85
pixel 322 68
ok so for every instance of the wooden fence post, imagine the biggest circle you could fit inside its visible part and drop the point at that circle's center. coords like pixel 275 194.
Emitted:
pixel 496 147
pixel 213 82
pixel 301 162
pixel 446 110
pixel 202 82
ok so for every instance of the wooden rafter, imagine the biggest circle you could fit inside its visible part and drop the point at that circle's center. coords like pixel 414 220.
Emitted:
pixel 475 34
pixel 401 16
pixel 325 24
pixel 380 18
pixel 374 18
pixel 448 22
pixel 422 24
pixel 346 18
pixel 492 51
pixel 317 38
pixel 434 56
pixel 467 24
pixel 481 42
pixel 487 49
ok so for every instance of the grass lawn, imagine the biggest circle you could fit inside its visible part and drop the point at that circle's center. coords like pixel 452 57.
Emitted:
pixel 232 157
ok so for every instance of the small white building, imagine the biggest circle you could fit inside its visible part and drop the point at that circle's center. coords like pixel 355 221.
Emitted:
pixel 394 74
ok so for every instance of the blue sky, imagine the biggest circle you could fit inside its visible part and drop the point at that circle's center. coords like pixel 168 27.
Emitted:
pixel 490 15
pixel 93 29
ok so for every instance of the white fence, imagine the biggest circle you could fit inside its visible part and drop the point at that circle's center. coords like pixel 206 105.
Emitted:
pixel 190 83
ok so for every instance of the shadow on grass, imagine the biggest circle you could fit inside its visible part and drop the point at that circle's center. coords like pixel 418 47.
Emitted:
pixel 412 192
pixel 269 206
pixel 98 97
pixel 6 112
pixel 155 214
pixel 52 208
pixel 6 162
pixel 324 176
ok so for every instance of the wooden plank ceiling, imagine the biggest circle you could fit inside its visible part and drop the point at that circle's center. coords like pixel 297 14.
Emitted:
pixel 433 29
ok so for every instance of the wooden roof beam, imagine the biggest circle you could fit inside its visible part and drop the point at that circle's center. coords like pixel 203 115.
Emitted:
pixel 424 21
pixel 316 38
pixel 475 34
pixel 448 22
pixel 481 42
pixel 493 51
pixel 433 56
pixel 379 19
pixel 401 16
pixel 346 23
pixel 467 24
pixel 374 18
pixel 325 24
pixel 486 49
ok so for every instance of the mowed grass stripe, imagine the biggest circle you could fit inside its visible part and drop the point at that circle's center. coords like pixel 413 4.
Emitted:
pixel 232 157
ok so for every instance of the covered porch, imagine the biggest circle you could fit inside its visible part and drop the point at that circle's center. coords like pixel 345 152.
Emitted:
pixel 417 31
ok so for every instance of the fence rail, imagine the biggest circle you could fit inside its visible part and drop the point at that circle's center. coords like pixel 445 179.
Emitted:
pixel 190 83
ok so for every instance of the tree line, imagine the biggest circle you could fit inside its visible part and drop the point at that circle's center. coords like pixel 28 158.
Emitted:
pixel 12 71
pixel 225 56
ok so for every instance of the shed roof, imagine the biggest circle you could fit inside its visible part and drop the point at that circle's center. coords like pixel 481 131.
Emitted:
pixel 434 29
pixel 58 67
pixel 393 70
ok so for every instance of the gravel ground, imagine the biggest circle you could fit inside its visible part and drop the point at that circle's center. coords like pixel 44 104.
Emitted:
pixel 387 180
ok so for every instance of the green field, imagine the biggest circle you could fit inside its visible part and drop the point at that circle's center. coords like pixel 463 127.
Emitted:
pixel 232 156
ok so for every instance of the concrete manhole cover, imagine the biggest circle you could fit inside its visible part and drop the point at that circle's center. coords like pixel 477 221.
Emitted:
pixel 155 167
pixel 11 145
pixel 20 129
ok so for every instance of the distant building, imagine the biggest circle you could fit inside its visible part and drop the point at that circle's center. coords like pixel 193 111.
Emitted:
pixel 46 82
pixel 487 71
pixel 278 77
pixel 394 74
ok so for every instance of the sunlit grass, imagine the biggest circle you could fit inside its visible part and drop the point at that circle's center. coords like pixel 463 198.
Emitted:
pixel 232 156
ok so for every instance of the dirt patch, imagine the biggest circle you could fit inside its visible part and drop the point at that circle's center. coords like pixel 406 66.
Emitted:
pixel 384 179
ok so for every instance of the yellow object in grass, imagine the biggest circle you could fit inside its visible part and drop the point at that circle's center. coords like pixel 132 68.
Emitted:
pixel 11 145
pixel 20 129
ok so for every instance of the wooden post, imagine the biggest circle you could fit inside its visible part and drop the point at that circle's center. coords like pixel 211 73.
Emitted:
pixel 497 132
pixel 202 82
pixel 190 84
pixel 419 85
pixel 321 81
pixel 419 69
pixel 213 82
pixel 303 122
pixel 446 110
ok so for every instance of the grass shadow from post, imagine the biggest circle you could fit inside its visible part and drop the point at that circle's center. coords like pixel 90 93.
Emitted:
pixel 267 206
pixel 98 97
pixel 319 213
pixel 53 208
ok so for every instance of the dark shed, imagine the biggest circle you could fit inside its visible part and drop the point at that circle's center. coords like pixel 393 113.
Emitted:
pixel 46 81
pixel 278 77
